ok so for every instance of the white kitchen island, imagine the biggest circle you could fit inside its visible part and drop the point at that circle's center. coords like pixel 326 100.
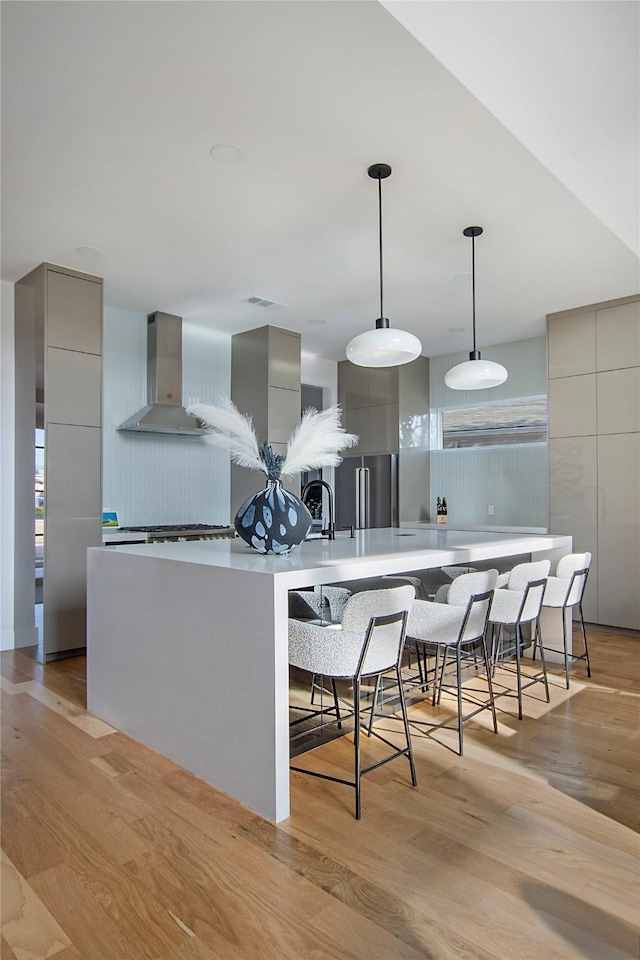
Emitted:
pixel 187 642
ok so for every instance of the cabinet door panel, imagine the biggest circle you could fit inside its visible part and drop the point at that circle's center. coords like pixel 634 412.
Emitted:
pixel 572 406
pixel 73 391
pixel 619 401
pixel 619 530
pixel 73 472
pixel 573 503
pixel 618 336
pixel 353 385
pixel 284 360
pixel 383 385
pixel 65 582
pixel 284 413
pixel 572 345
pixel 74 313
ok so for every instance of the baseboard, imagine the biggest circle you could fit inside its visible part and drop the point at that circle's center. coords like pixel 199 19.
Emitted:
pixel 603 628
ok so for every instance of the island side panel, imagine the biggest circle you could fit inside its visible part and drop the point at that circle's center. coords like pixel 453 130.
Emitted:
pixel 182 657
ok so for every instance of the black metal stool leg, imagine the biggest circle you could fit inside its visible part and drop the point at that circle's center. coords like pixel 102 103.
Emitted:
pixel 356 743
pixel 459 682
pixel 518 669
pixel 405 721
pixel 584 637
pixel 487 664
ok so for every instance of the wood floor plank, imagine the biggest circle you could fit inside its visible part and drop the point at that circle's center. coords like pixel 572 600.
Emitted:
pixel 28 927
pixel 6 953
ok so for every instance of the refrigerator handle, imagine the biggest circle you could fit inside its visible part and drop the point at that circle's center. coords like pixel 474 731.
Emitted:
pixel 395 511
pixel 362 498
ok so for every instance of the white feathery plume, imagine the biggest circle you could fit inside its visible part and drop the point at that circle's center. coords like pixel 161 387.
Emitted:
pixel 232 430
pixel 316 442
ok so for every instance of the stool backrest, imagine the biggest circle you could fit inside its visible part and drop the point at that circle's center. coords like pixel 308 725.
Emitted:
pixel 361 607
pixel 383 643
pixel 468 585
pixel 476 617
pixel 532 600
pixel 574 568
pixel 524 573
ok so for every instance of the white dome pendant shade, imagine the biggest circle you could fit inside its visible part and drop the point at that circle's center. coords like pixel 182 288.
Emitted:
pixel 475 373
pixel 385 346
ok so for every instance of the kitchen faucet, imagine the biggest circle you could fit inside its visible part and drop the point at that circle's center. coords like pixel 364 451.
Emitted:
pixel 330 531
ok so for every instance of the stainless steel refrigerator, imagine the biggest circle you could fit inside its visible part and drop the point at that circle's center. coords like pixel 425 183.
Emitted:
pixel 367 492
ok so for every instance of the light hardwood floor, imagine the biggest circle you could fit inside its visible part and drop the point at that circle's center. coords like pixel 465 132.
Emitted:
pixel 525 848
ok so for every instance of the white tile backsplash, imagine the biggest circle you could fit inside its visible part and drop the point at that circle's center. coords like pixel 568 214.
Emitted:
pixel 150 479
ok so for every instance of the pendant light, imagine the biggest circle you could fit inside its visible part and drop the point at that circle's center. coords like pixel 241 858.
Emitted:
pixel 385 346
pixel 475 373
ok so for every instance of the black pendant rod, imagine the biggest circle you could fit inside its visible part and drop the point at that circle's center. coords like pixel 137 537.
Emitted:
pixel 473 232
pixel 380 244
pixel 473 286
pixel 380 172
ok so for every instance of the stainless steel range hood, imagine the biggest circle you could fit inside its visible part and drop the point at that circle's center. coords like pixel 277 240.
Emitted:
pixel 164 412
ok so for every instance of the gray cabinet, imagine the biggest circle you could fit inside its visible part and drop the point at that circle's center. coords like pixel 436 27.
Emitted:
pixel 265 383
pixel 59 347
pixel 388 409
pixel 594 449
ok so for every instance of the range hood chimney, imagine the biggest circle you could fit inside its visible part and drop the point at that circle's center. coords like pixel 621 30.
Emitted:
pixel 164 412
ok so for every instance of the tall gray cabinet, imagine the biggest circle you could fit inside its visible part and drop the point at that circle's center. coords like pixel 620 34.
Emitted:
pixel 594 449
pixel 388 408
pixel 59 355
pixel 265 383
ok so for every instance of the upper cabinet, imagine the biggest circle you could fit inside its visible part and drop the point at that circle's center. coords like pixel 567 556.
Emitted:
pixel 284 359
pixel 618 336
pixel 572 345
pixel 73 312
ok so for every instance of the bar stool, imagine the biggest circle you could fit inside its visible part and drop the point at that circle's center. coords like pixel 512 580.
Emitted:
pixel 513 608
pixel 457 627
pixel 368 643
pixel 564 592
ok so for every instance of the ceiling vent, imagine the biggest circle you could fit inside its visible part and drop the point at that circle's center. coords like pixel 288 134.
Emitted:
pixel 267 304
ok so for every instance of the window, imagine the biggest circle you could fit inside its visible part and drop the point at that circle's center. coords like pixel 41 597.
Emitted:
pixel 493 424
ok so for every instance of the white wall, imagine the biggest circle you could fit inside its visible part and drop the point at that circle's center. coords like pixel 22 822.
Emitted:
pixel 514 479
pixel 318 372
pixel 7 414
pixel 150 479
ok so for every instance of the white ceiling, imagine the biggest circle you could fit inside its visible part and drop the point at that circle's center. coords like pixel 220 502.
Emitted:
pixel 109 111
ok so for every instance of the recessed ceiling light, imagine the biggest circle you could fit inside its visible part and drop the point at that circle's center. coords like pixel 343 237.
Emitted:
pixel 86 251
pixel 457 329
pixel 316 321
pixel 227 153
pixel 462 277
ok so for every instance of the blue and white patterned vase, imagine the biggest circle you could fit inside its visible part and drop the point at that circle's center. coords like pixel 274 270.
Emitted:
pixel 273 520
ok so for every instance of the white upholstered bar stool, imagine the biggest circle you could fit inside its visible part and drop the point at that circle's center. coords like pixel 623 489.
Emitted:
pixel 457 629
pixel 428 616
pixel 512 608
pixel 564 592
pixel 367 643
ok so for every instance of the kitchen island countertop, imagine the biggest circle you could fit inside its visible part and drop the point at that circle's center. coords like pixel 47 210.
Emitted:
pixel 187 642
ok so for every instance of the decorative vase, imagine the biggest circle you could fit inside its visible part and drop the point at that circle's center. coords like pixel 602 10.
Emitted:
pixel 273 520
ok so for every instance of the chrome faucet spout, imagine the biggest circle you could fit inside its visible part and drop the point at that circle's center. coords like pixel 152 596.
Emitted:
pixel 330 530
